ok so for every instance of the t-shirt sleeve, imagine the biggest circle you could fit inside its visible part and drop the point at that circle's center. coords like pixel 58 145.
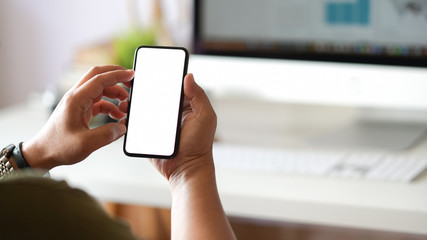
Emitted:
pixel 41 208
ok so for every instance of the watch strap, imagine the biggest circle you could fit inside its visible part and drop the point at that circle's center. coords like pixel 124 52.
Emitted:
pixel 19 158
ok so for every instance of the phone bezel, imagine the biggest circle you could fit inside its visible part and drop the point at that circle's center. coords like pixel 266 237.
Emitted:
pixel 178 125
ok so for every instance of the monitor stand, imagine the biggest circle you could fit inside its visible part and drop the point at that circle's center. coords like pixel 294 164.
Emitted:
pixel 378 129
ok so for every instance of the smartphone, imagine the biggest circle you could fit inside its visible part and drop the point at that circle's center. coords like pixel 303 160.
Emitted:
pixel 155 102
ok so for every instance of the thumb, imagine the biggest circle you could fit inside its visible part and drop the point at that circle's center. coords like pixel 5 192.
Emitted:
pixel 191 89
pixel 199 101
pixel 106 134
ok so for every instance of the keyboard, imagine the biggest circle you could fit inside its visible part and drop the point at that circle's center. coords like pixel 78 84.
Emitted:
pixel 346 164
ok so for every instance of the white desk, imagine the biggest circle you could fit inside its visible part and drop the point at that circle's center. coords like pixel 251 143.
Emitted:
pixel 109 175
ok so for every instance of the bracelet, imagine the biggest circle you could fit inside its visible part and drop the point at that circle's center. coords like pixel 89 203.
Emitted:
pixel 5 167
pixel 18 157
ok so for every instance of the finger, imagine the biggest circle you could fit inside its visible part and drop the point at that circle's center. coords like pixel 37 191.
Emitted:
pixel 197 97
pixel 116 92
pixel 123 106
pixel 191 89
pixel 103 135
pixel 127 84
pixel 92 89
pixel 95 71
pixel 123 121
pixel 109 108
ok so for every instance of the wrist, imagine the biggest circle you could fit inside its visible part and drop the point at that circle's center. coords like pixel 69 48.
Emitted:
pixel 200 171
pixel 37 155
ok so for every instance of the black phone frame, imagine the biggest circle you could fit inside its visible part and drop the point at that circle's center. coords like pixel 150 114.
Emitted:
pixel 178 125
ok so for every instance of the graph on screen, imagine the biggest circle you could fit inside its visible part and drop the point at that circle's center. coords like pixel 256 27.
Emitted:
pixel 348 13
pixel 340 27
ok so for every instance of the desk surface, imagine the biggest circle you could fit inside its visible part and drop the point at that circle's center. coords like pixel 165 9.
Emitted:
pixel 109 175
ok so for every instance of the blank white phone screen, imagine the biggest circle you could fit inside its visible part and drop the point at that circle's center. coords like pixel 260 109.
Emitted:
pixel 155 101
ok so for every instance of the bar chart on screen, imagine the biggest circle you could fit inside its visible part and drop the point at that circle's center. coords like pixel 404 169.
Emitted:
pixel 357 13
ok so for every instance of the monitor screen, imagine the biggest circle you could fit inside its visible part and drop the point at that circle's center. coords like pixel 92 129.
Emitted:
pixel 391 32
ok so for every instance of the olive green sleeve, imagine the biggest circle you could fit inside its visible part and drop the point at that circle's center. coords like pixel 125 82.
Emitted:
pixel 41 208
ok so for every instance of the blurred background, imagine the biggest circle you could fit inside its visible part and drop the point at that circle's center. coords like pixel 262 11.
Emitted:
pixel 45 45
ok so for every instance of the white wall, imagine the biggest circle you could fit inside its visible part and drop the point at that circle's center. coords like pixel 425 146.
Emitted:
pixel 39 37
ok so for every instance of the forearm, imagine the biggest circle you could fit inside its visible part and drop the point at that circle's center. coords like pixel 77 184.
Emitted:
pixel 197 212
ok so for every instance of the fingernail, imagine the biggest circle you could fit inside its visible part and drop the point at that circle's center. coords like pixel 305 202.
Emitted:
pixel 129 73
pixel 119 130
pixel 191 77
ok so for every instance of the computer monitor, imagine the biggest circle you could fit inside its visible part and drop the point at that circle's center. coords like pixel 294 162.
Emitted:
pixel 361 53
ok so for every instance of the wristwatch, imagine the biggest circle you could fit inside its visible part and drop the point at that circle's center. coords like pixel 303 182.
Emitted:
pixel 6 167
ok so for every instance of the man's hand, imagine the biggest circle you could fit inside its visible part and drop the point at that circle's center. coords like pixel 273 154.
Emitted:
pixel 66 138
pixel 197 134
